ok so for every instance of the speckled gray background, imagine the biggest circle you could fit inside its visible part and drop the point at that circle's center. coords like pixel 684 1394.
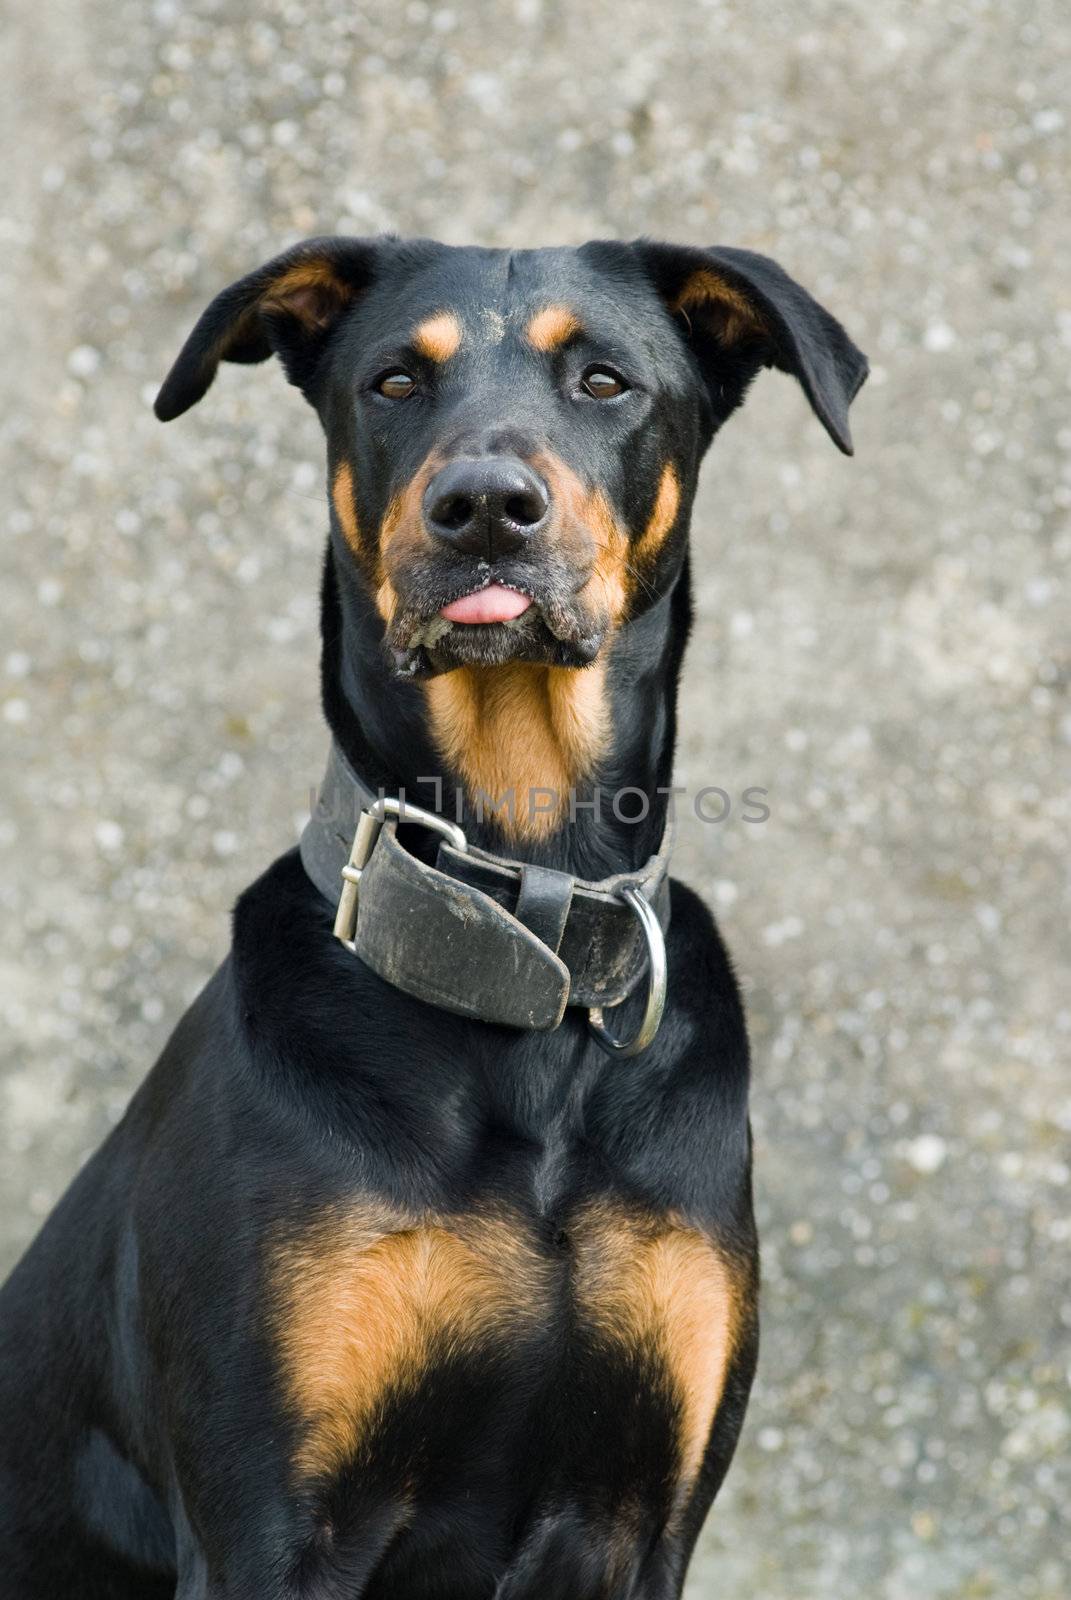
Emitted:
pixel 882 643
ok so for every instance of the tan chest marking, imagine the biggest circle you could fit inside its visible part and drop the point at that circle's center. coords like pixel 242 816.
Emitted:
pixel 516 730
pixel 664 1289
pixel 366 1299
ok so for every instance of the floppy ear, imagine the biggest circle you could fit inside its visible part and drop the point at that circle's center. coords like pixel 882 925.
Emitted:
pixel 287 307
pixel 741 311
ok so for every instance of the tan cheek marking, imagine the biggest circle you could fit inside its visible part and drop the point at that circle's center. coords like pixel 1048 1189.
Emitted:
pixel 518 729
pixel 706 288
pixel 438 337
pixel 402 535
pixel 403 521
pixel 611 563
pixel 665 1289
pixel 387 601
pixel 550 328
pixel 345 510
pixel 587 522
pixel 663 515
pixel 366 1297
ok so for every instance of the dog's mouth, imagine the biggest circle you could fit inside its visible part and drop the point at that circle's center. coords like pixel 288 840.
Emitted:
pixel 492 620
pixel 496 603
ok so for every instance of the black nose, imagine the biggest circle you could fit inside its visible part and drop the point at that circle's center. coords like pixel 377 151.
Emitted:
pixel 487 505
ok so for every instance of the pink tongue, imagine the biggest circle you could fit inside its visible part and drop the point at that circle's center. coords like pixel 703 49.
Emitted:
pixel 496 603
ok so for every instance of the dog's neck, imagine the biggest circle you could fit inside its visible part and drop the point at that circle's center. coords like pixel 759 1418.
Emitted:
pixel 600 740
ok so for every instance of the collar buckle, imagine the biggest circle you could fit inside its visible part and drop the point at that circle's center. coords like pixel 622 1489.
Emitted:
pixel 369 826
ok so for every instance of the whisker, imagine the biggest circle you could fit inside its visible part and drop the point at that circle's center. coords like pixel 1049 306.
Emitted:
pixel 633 571
pixel 639 577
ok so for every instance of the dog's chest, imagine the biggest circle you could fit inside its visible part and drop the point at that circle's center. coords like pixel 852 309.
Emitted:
pixel 370 1307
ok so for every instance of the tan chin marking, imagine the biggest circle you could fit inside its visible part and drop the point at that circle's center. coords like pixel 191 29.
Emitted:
pixel 664 1289
pixel 551 328
pixel 663 516
pixel 705 290
pixel 438 337
pixel 518 729
pixel 367 1296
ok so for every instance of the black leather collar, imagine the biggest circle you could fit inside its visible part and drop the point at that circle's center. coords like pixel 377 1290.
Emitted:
pixel 479 934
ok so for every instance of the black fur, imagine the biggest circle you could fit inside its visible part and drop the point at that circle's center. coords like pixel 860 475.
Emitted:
pixel 147 1445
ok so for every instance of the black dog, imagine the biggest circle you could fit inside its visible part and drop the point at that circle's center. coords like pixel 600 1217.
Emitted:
pixel 397 1280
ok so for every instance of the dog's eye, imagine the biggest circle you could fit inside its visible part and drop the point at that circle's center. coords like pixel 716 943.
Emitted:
pixel 397 385
pixel 602 384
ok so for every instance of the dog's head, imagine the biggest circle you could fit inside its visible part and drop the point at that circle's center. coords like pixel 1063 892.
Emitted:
pixel 514 436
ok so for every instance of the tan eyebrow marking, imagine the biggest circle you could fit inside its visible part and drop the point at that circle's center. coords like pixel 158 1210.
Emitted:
pixel 550 328
pixel 438 337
